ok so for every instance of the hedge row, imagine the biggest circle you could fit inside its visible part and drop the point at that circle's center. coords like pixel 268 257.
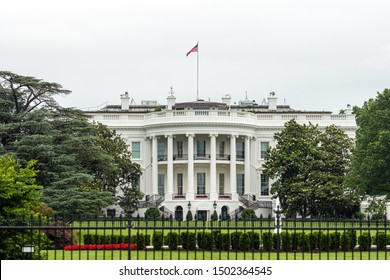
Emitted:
pixel 248 240
pixel 140 239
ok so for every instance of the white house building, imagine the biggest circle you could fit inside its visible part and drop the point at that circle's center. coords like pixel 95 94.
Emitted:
pixel 204 156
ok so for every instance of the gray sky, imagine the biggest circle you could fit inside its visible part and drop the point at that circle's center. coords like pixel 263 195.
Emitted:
pixel 315 54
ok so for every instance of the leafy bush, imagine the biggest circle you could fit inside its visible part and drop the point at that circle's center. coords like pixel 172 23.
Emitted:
pixel 152 214
pixel 248 215
pixel 267 240
pixel 189 217
pixel 172 240
pixel 222 241
pixel 323 241
pixel 254 238
pixel 188 240
pixel 157 240
pixel 364 241
pixel 381 240
pixel 286 243
pixel 205 240
pixel 235 240
pixel 335 240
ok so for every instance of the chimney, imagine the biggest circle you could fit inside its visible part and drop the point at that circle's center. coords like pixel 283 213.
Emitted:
pixel 349 109
pixel 125 100
pixel 272 101
pixel 226 99
pixel 171 100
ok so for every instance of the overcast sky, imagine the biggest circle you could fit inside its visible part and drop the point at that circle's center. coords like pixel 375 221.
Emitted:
pixel 314 54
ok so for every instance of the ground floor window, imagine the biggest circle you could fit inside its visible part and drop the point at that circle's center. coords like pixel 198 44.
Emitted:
pixel 264 185
pixel 179 213
pixel 161 184
pixel 240 184
pixel 201 183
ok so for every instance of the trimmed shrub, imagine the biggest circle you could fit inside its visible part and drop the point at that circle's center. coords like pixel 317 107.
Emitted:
pixel 335 238
pixel 364 241
pixel 286 243
pixel 304 242
pixel 248 214
pixel 244 241
pixel 188 240
pixel 295 241
pixel 235 240
pixel 381 240
pixel 254 238
pixel 152 214
pixel 323 241
pixel 157 240
pixel 172 240
pixel 313 240
pixel 267 240
pixel 205 240
pixel 222 241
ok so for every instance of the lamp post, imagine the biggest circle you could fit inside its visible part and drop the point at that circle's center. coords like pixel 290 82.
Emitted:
pixel 215 205
pixel 189 214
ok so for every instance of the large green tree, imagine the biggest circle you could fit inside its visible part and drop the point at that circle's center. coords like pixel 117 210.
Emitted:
pixel 309 166
pixel 80 163
pixel 19 200
pixel 371 157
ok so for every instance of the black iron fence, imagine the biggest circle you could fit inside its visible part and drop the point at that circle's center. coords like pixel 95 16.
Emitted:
pixel 110 238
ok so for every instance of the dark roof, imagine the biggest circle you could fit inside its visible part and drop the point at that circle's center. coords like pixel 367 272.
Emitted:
pixel 200 104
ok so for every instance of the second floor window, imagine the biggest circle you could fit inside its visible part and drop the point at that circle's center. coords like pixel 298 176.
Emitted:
pixel 263 149
pixel 201 148
pixel 136 149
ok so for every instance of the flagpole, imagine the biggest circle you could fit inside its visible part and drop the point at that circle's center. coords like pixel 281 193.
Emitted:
pixel 197 74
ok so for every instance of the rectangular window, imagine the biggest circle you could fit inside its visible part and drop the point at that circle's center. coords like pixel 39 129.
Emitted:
pixel 179 149
pixel 240 184
pixel 221 183
pixel 240 150
pixel 264 185
pixel 161 151
pixel 161 184
pixel 201 148
pixel 201 183
pixel 263 149
pixel 136 149
pixel 180 183
pixel 222 149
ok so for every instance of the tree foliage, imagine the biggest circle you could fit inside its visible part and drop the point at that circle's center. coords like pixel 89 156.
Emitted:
pixel 19 193
pixel 370 170
pixel 309 166
pixel 80 163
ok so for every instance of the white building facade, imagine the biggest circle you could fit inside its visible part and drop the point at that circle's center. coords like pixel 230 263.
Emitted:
pixel 206 156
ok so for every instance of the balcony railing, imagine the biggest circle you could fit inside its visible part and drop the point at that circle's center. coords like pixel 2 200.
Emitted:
pixel 223 157
pixel 178 157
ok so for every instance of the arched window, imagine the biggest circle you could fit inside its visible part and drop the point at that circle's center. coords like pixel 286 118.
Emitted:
pixel 224 213
pixel 179 213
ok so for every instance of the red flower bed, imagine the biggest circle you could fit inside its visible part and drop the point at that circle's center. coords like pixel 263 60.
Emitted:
pixel 121 246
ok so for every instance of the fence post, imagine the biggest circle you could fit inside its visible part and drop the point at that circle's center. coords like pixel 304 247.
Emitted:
pixel 129 226
pixel 278 213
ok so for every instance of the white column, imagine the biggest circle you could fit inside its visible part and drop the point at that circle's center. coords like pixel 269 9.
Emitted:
pixel 213 167
pixel 233 172
pixel 154 166
pixel 168 194
pixel 247 166
pixel 190 172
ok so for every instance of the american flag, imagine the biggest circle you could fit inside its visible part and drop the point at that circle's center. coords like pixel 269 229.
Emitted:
pixel 194 49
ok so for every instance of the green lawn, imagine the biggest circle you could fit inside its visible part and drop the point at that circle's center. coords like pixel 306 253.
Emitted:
pixel 207 255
